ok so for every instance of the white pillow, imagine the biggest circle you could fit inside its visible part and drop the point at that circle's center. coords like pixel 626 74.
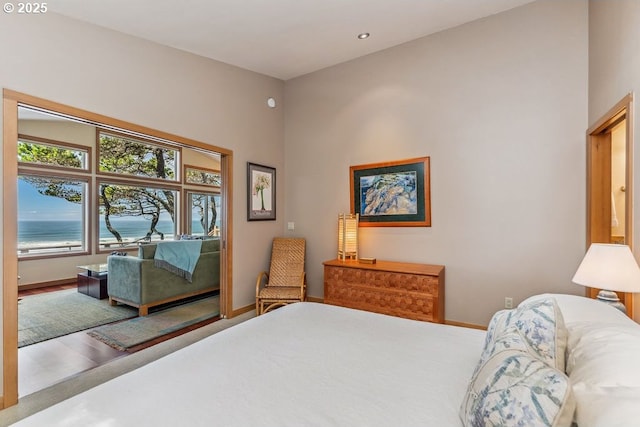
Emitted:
pixel 606 355
pixel 577 308
pixel 606 406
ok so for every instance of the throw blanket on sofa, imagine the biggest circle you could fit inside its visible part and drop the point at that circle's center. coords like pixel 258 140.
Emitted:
pixel 179 257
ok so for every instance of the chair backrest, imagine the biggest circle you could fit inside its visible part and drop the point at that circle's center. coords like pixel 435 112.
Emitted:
pixel 287 261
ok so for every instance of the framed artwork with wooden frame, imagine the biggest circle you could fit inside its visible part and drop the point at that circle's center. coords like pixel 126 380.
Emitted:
pixel 392 194
pixel 261 192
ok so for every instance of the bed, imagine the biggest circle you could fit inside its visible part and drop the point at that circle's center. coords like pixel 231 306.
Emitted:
pixel 310 364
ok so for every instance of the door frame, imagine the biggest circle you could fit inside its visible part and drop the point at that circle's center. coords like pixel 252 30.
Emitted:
pixel 599 182
pixel 11 101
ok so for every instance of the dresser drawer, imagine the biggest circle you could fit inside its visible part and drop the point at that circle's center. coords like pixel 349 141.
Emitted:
pixel 407 304
pixel 413 291
pixel 384 279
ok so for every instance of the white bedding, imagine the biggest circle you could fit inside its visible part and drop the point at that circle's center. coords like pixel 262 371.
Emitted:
pixel 305 364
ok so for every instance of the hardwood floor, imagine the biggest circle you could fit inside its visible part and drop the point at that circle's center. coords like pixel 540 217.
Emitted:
pixel 49 362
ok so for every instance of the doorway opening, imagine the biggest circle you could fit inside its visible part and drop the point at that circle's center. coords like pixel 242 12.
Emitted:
pixel 216 216
pixel 610 183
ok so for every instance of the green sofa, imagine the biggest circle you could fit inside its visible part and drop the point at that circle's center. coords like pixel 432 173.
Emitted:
pixel 136 281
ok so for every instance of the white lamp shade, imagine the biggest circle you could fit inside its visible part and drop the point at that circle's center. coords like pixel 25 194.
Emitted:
pixel 609 266
pixel 348 236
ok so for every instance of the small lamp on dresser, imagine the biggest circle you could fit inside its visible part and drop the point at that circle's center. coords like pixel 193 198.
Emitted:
pixel 610 267
pixel 348 236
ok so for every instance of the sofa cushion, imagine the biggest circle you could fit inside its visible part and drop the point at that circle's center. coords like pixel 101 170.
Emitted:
pixel 148 250
pixel 210 245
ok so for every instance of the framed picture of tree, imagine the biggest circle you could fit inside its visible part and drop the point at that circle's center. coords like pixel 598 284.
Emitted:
pixel 261 192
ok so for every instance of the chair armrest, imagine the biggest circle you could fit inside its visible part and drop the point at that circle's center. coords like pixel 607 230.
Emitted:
pixel 304 286
pixel 262 275
pixel 125 276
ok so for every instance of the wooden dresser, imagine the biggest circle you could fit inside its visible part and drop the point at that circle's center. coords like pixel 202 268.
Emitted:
pixel 413 291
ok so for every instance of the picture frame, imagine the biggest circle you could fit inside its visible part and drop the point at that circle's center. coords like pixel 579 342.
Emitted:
pixel 392 194
pixel 261 192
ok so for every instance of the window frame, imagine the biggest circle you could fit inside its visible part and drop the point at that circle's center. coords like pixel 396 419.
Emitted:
pixel 187 207
pixel 131 183
pixel 187 167
pixel 59 144
pixel 35 170
pixel 176 148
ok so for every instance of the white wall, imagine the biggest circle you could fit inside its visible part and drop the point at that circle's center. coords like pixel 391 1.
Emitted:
pixel 109 73
pixel 500 106
pixel 614 71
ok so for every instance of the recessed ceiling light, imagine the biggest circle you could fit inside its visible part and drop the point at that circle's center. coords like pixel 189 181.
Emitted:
pixel 363 36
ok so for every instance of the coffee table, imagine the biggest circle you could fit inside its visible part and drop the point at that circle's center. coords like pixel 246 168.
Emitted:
pixel 93 280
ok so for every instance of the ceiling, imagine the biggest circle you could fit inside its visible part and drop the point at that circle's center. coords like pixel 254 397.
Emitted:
pixel 280 38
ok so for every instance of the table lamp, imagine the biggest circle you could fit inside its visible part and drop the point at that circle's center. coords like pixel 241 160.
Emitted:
pixel 609 267
pixel 348 236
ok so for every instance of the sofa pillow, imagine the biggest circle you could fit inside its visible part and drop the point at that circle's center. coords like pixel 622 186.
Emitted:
pixel 147 251
pixel 514 388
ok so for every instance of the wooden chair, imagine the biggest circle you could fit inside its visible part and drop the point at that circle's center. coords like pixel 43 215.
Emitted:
pixel 285 282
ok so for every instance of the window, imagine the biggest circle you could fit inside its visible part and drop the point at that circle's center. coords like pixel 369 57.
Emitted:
pixel 204 214
pixel 129 214
pixel 124 155
pixel 51 215
pixel 108 188
pixel 200 176
pixel 39 151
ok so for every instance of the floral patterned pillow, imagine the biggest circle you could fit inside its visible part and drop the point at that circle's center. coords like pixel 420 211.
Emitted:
pixel 514 388
pixel 533 332
pixel 540 325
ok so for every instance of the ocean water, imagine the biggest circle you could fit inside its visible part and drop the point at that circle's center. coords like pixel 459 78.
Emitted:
pixel 43 233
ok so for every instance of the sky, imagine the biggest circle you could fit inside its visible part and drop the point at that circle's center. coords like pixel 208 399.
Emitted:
pixel 35 206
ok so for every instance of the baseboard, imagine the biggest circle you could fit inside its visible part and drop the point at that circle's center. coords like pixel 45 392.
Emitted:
pixel 464 325
pixel 241 310
pixel 47 284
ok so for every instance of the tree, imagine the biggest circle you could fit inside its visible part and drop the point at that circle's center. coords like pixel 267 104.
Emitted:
pixel 118 155
pixel 51 155
pixel 48 155
pixel 130 157
pixel 202 202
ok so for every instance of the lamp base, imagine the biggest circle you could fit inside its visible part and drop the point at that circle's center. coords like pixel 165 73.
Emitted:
pixel 611 298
